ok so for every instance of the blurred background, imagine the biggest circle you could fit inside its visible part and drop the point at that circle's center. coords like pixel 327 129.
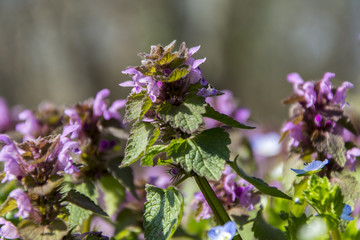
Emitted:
pixel 66 51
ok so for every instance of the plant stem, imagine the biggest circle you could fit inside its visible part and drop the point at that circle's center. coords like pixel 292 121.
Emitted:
pixel 335 234
pixel 220 213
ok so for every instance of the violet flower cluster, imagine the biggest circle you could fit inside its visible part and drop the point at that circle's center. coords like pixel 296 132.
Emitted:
pixel 231 192
pixel 317 117
pixel 164 75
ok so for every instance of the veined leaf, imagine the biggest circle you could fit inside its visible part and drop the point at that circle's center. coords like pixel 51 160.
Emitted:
pixel 42 190
pixel 137 104
pixel 140 136
pixel 211 113
pixel 9 205
pixel 83 201
pixel 177 74
pixel 54 231
pixel 257 182
pixel 153 152
pixel 205 154
pixel 187 116
pixel 163 212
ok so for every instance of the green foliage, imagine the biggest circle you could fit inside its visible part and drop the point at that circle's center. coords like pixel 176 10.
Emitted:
pixel 44 189
pixel 212 113
pixel 264 231
pixel 177 74
pixel 294 224
pixel 163 212
pixel 137 104
pixel 257 182
pixel 123 175
pixel 349 185
pixel 154 156
pixel 83 201
pixel 114 193
pixel 54 231
pixel 78 214
pixel 187 116
pixel 325 198
pixel 331 144
pixel 7 206
pixel 205 154
pixel 140 136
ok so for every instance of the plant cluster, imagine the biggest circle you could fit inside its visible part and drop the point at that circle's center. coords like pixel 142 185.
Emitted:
pixel 75 172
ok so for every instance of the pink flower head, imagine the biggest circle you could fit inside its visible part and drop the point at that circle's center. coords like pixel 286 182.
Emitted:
pixel 8 230
pixel 12 157
pixel 340 94
pixel 295 132
pixel 326 86
pixel 296 80
pixel 65 160
pixel 351 155
pixel 22 201
pixel 30 127
pixel 100 106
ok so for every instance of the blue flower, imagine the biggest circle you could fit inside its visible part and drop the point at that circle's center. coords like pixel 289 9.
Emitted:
pixel 311 168
pixel 346 213
pixel 225 232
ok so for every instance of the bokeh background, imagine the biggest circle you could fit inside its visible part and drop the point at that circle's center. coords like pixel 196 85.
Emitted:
pixel 66 51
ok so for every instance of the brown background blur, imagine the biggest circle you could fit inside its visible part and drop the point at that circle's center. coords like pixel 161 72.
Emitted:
pixel 66 51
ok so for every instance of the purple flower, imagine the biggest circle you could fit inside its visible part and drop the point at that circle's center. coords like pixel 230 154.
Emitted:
pixel 340 94
pixel 22 201
pixel 11 155
pixel 326 86
pixel 206 211
pixel 31 127
pixel 311 168
pixel 305 90
pixel 346 213
pixel 295 132
pixel 100 106
pixel 195 74
pixel 5 117
pixel 309 94
pixel 296 80
pixel 225 232
pixel 115 106
pixel 65 160
pixel 8 230
pixel 351 155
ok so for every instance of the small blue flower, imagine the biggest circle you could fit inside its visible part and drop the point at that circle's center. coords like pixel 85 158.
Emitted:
pixel 225 232
pixel 346 213
pixel 311 168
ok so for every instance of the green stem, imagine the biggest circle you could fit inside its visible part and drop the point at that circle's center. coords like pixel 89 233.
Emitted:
pixel 335 234
pixel 220 213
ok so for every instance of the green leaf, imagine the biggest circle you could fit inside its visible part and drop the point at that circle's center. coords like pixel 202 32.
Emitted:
pixel 187 116
pixel 163 212
pixel 123 175
pixel 264 231
pixel 177 74
pixel 83 201
pixel 9 205
pixel 294 224
pixel 212 113
pixel 78 214
pixel 42 190
pixel 114 193
pixel 349 185
pixel 257 182
pixel 137 104
pixel 205 154
pixel 139 138
pixel 336 148
pixel 54 231
pixel 154 156
pixel 324 197
pixel 166 58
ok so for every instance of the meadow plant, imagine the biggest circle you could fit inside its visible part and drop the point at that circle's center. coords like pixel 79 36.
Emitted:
pixel 85 172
